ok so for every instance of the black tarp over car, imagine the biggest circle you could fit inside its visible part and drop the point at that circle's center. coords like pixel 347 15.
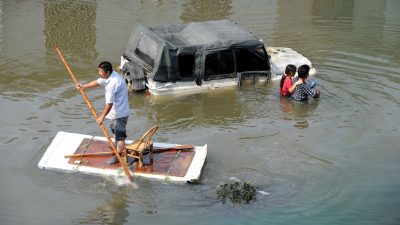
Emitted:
pixel 184 52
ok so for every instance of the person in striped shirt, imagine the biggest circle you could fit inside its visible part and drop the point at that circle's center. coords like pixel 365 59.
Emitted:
pixel 303 91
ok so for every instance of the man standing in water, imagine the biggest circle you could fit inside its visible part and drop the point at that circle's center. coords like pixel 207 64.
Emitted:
pixel 117 106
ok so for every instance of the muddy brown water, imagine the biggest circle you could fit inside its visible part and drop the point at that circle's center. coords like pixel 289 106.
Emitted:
pixel 331 161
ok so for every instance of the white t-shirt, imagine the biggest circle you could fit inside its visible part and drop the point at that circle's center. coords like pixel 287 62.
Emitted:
pixel 117 94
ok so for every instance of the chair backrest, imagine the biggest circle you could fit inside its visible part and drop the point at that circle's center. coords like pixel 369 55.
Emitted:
pixel 147 136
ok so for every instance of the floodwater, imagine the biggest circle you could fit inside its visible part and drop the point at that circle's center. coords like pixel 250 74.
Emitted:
pixel 330 161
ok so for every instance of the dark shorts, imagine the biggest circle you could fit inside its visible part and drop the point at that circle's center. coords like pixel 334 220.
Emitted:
pixel 118 128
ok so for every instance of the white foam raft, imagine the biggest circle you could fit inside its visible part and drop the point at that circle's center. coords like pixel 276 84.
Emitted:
pixel 169 165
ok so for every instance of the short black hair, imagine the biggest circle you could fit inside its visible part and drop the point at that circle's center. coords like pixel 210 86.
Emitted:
pixel 290 68
pixel 106 66
pixel 303 71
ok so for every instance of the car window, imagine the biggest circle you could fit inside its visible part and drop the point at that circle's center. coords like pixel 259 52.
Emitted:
pixel 186 65
pixel 219 63
pixel 251 59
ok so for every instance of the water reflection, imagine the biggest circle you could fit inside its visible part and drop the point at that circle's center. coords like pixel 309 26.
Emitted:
pixel 329 9
pixel 71 24
pixel 220 107
pixel 114 211
pixel 30 60
pixel 298 111
pixel 198 10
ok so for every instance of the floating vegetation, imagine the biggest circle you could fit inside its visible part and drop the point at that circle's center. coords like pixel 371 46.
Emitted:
pixel 237 193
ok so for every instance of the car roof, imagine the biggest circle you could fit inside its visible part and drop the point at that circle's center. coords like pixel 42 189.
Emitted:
pixel 203 33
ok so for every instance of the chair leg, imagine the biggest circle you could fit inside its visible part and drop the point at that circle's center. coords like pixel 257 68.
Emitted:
pixel 151 154
pixel 140 160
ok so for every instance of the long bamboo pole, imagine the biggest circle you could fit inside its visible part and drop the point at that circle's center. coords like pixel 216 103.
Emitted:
pixel 128 174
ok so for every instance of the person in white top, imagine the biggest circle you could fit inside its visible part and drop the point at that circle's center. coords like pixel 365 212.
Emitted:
pixel 116 107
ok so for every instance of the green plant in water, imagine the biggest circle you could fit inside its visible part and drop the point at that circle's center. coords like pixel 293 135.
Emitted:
pixel 237 193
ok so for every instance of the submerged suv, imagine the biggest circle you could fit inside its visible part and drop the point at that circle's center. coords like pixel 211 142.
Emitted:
pixel 193 56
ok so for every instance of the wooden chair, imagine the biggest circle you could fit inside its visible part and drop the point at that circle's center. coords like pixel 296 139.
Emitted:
pixel 137 148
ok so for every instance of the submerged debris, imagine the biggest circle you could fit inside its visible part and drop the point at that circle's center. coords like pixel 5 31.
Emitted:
pixel 236 192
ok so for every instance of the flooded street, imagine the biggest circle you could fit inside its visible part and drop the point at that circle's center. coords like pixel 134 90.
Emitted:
pixel 330 161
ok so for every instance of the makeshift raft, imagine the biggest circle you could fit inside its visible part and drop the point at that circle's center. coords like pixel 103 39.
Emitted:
pixel 170 163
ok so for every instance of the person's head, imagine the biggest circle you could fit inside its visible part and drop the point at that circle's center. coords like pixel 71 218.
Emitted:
pixel 289 71
pixel 105 69
pixel 303 71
